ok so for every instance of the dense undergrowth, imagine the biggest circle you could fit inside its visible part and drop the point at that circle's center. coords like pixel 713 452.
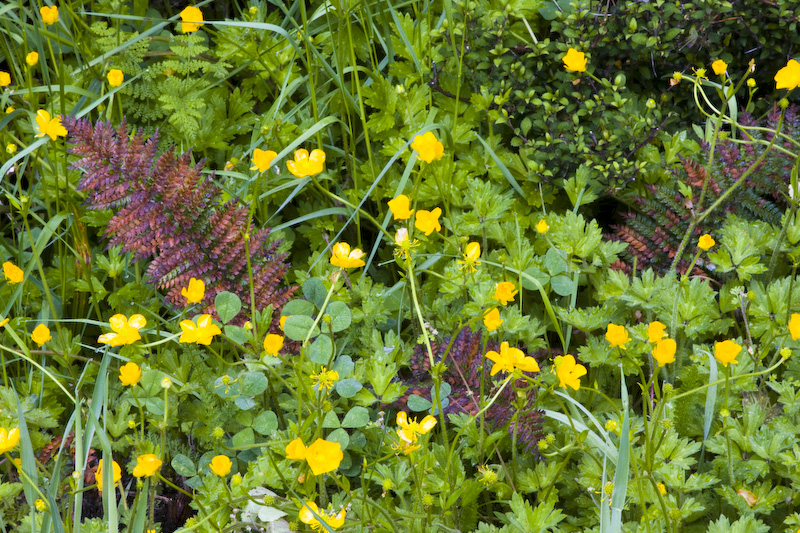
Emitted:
pixel 376 266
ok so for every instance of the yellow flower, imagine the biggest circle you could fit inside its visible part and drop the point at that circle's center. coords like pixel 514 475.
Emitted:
pixel 574 61
pixel 655 331
pixel 41 334
pixel 201 333
pixel 32 58
pixel 409 430
pixel 262 159
pixel 50 127
pixel 332 519
pixel 98 475
pixel 726 351
pixel 130 374
pixel 662 489
pixel 12 272
pixel 504 292
pixel 4 322
pixel 221 465
pixel 191 19
pixel 719 67
pixel 401 207
pixel 40 505
pixel 664 352
pixel 794 326
pixel 10 109
pixel 542 227
pixel 11 148
pixel 343 257
pixel 5 78
pixel 306 165
pixel 617 336
pixel 324 456
pixel 789 76
pixel 296 450
pixel 126 330
pixel 471 256
pixel 8 439
pixel 428 147
pixel 273 344
pixel 700 73
pixel 49 14
pixel 283 322
pixel 325 378
pixel 706 242
pixel 146 465
pixel 569 373
pixel 195 292
pixel 509 359
pixel 492 320
pixel 428 221
pixel 115 77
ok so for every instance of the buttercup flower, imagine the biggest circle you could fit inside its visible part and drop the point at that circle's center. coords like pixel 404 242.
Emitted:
pixel 655 331
pixel 324 456
pixel 794 326
pixel 12 148
pixel 575 61
pixel 428 221
pixel 273 344
pixel 40 505
pixel 296 450
pixel 409 430
pixel 789 76
pixel 126 330
pixel 262 159
pixel 617 336
pixel 492 320
pixel 191 19
pixel 201 333
pixel 41 334
pixel 306 165
pixel 325 379
pixel 49 14
pixel 5 78
pixel 400 207
pixel 719 67
pixel 726 351
pixel 569 373
pixel 282 323
pixel 221 465
pixel 471 257
pixel 542 227
pixel 12 272
pixel 706 242
pixel 115 77
pixel 343 257
pixel 51 127
pixel 8 439
pixel 32 58
pixel 428 147
pixel 146 465
pixel 664 352
pixel 504 292
pixel 4 321
pixel 662 489
pixel 331 518
pixel 195 292
pixel 130 374
pixel 510 358
pixel 98 475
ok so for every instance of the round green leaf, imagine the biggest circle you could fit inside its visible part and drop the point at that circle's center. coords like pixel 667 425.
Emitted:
pixel 562 285
pixel 183 466
pixel 341 437
pixel 321 350
pixel 228 306
pixel 314 291
pixel 536 274
pixel 347 388
pixel 245 403
pixel 266 422
pixel 340 314
pixel 357 417
pixel 298 307
pixel 344 366
pixel 297 327
pixel 228 390
pixel 418 403
pixel 331 420
pixel 253 383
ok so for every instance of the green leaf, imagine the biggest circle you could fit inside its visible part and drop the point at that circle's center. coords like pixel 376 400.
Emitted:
pixel 536 274
pixel 357 417
pixel 321 350
pixel 340 436
pixel 314 290
pixel 562 285
pixel 253 383
pixel 340 314
pixel 245 437
pixel 228 306
pixel 298 307
pixel 244 403
pixel 183 466
pixel 331 420
pixel 347 388
pixel 266 422
pixel 344 366
pixel 226 390
pixel 555 261
pixel 237 334
pixel 418 403
pixel 297 327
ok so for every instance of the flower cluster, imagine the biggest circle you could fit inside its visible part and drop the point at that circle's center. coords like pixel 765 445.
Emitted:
pixel 323 456
pixel 663 349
